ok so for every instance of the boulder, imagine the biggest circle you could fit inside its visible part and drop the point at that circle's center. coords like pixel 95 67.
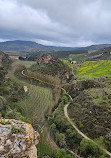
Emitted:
pixel 17 139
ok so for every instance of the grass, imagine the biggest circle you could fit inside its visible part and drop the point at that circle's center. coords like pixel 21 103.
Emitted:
pixel 67 63
pixel 79 57
pixel 95 68
pixel 100 96
pixel 27 64
pixel 36 103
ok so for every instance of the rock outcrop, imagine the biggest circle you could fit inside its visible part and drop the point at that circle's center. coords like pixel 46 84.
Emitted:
pixel 44 58
pixel 17 139
pixel 47 64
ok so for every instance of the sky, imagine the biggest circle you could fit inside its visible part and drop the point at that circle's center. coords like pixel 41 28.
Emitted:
pixel 68 23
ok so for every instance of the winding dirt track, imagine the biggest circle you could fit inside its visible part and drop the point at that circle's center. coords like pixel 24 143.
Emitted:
pixel 66 114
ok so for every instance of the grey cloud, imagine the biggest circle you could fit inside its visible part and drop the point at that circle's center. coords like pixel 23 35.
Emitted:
pixel 57 22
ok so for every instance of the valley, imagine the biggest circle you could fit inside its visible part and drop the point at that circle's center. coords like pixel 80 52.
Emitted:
pixel 84 136
pixel 55 79
pixel 68 104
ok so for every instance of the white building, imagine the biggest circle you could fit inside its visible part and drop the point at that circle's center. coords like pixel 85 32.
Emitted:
pixel 73 62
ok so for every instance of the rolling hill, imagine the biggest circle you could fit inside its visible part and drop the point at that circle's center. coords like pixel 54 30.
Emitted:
pixel 95 47
pixel 22 46
pixel 30 46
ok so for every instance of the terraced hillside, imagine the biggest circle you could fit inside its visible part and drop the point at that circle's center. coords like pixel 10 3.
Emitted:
pixel 37 102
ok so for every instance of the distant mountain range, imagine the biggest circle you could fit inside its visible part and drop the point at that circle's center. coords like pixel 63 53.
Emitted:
pixel 95 47
pixel 22 46
pixel 29 46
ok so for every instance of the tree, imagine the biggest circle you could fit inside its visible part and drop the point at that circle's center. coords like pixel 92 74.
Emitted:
pixel 60 153
pixel 53 129
pixel 60 139
pixel 100 141
pixel 89 147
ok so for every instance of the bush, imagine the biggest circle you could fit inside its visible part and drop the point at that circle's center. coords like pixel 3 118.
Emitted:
pixel 60 139
pixel 89 147
pixel 62 154
pixel 13 114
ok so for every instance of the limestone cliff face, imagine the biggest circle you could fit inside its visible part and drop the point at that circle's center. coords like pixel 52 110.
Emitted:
pixel 17 139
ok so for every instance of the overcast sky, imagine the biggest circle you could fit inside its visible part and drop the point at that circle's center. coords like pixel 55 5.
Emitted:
pixel 56 22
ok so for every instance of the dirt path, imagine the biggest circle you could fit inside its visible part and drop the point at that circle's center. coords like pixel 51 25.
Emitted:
pixel 66 114
pixel 82 134
pixel 68 118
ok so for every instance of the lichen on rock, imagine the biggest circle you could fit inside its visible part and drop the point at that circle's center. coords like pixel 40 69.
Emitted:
pixel 17 139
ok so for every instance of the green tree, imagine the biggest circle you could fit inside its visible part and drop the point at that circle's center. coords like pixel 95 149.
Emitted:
pixel 100 141
pixel 89 147
pixel 60 139
pixel 64 98
pixel 53 129
pixel 60 153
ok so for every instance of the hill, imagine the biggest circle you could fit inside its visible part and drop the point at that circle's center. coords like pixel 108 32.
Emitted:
pixel 33 49
pixel 22 46
pixel 59 128
pixel 48 65
pixel 30 47
pixel 90 109
pixel 95 47
pixel 101 54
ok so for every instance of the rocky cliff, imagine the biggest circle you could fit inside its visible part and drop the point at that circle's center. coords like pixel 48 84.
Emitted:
pixel 17 139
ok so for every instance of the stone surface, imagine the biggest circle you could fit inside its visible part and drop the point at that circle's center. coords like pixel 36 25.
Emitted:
pixel 17 139
pixel 44 58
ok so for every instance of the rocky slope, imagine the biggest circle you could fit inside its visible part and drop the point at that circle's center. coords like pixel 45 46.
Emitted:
pixel 17 139
pixel 46 64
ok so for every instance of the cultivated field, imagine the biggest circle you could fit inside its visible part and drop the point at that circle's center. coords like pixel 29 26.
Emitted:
pixel 35 105
pixel 95 68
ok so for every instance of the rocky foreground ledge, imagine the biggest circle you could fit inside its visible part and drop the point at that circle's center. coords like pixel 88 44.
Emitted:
pixel 17 139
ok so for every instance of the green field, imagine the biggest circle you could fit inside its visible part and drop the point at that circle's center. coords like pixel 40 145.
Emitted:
pixel 34 106
pixel 27 64
pixel 38 98
pixel 95 68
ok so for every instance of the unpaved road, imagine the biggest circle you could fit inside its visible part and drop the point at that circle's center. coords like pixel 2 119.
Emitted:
pixel 66 114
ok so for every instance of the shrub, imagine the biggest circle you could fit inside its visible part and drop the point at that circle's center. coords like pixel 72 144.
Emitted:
pixel 89 147
pixel 60 138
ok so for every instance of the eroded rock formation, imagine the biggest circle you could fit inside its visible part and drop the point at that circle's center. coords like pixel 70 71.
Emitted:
pixel 17 139
pixel 44 58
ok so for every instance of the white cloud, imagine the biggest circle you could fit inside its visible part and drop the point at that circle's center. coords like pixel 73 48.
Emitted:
pixel 58 22
pixel 3 40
